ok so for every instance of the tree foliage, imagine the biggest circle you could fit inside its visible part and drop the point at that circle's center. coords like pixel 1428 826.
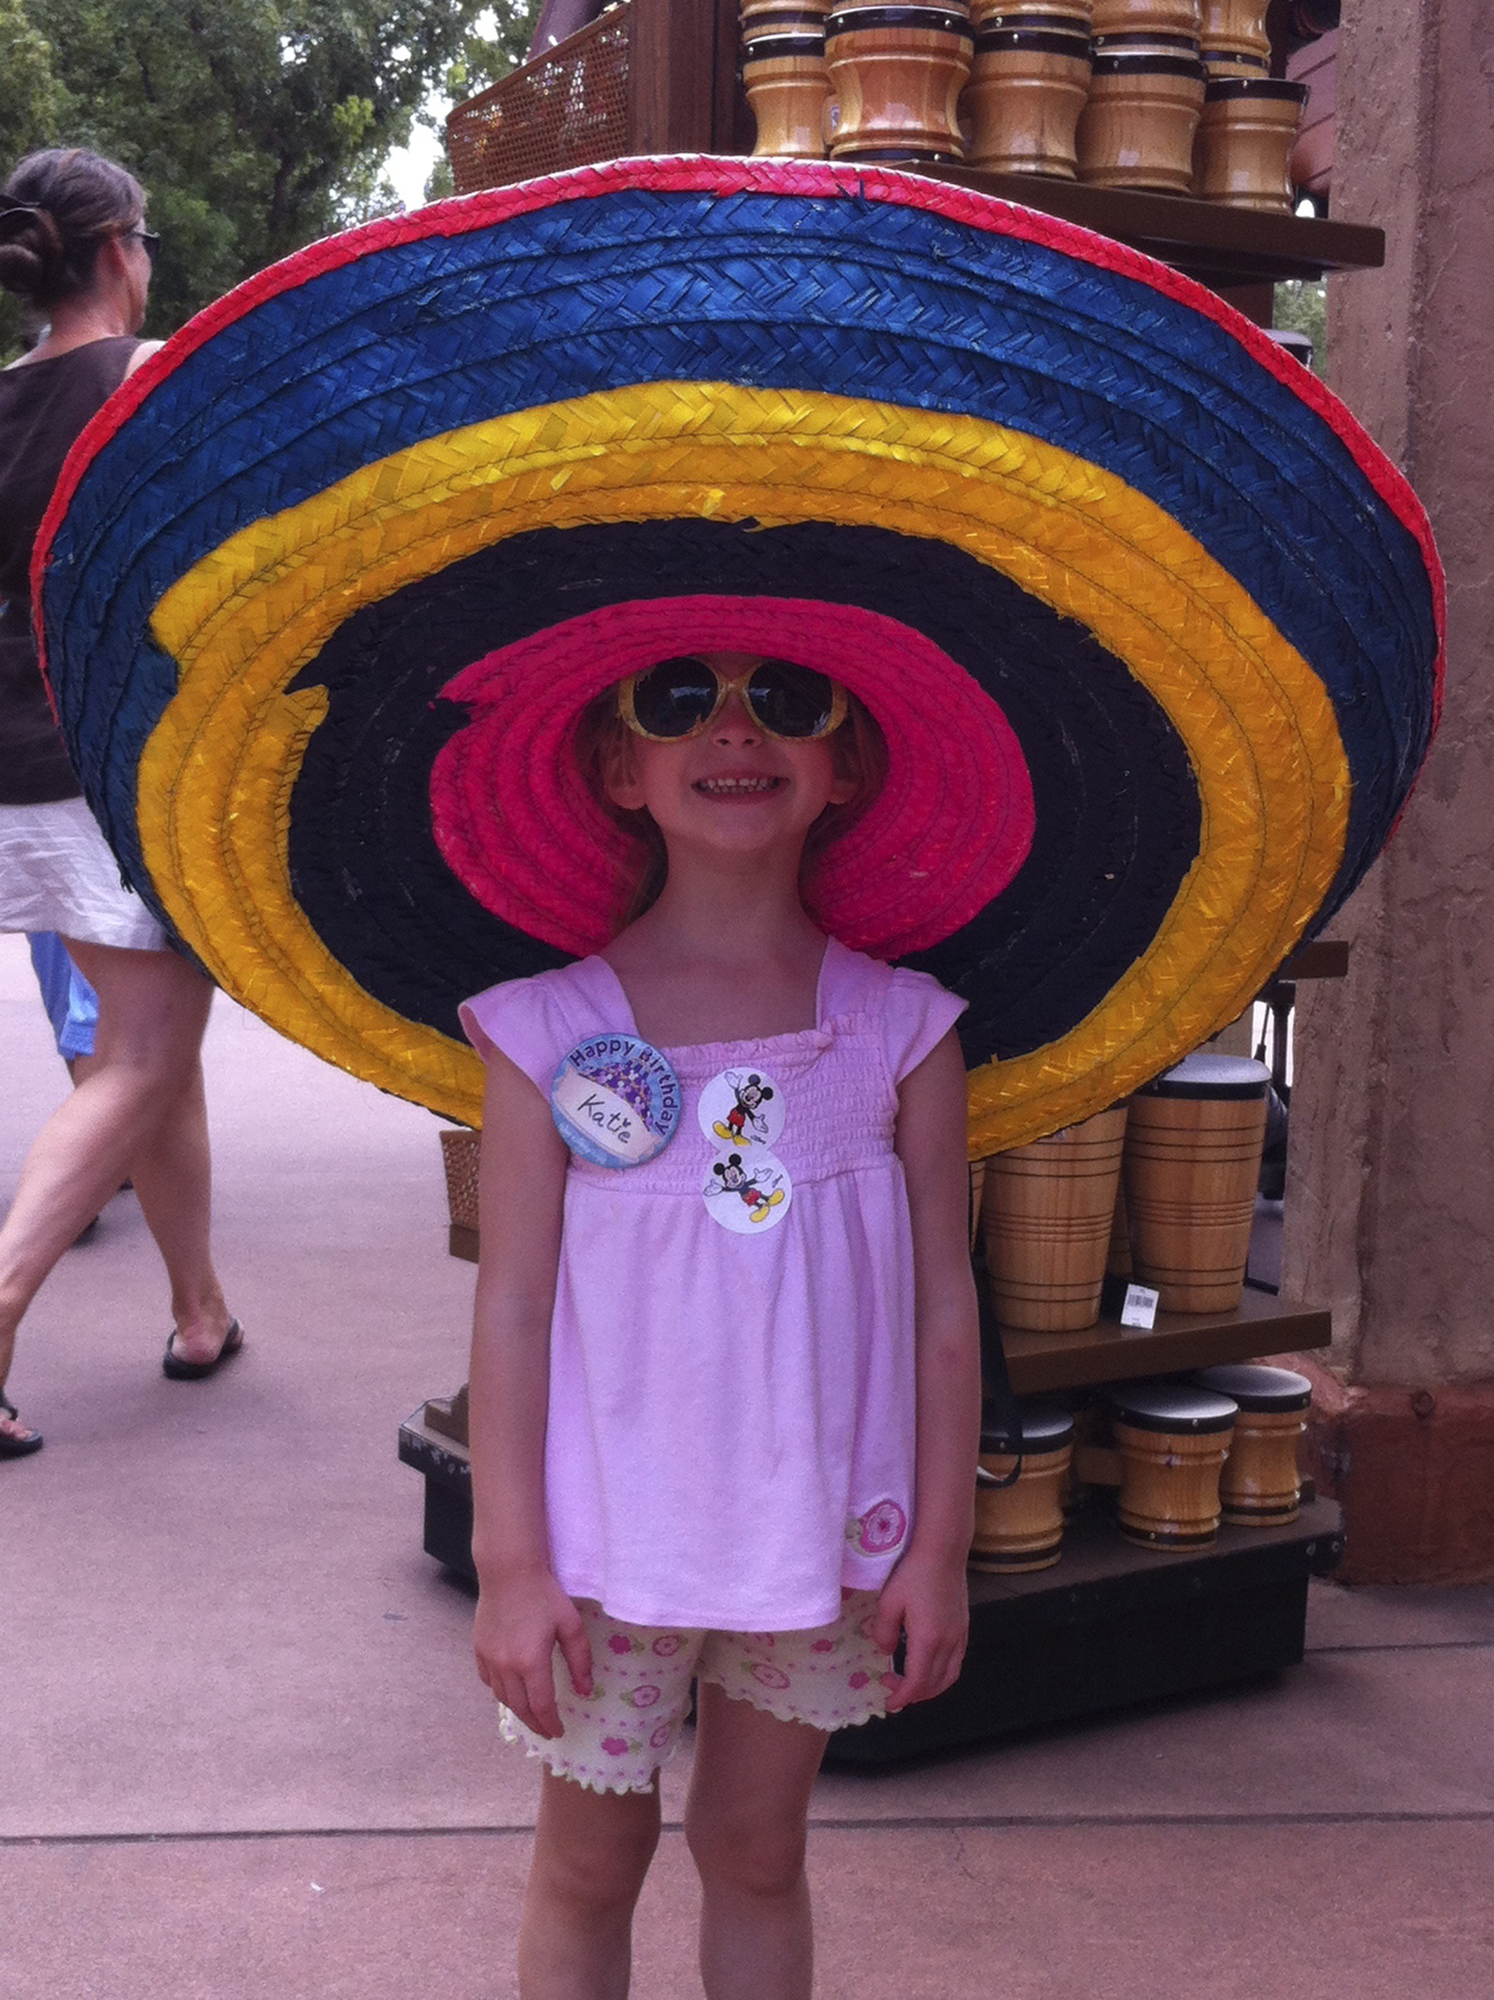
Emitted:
pixel 255 126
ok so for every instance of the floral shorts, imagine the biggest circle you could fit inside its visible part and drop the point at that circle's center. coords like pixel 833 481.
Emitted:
pixel 641 1674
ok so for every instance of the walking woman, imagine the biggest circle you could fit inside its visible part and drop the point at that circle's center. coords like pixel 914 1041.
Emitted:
pixel 74 247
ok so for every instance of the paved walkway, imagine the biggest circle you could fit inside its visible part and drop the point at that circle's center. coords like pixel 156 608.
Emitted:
pixel 246 1758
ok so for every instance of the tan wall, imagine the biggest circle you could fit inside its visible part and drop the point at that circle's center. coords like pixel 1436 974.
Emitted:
pixel 1390 1211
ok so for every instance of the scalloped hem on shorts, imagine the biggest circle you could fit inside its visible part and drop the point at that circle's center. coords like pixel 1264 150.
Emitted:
pixel 551 1756
pixel 777 1711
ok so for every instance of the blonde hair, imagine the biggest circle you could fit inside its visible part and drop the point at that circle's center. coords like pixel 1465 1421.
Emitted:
pixel 603 744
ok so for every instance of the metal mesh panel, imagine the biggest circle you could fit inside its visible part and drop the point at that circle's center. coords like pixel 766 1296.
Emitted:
pixel 566 109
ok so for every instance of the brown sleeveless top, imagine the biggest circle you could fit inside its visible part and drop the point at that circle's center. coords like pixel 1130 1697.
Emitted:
pixel 43 407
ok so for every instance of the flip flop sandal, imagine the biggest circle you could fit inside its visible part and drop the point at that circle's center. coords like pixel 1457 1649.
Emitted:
pixel 195 1371
pixel 17 1447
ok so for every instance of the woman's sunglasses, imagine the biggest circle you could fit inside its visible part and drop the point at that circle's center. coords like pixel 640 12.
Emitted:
pixel 680 698
pixel 151 240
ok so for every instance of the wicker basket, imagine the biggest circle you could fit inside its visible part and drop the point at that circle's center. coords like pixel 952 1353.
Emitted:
pixel 567 108
pixel 460 1152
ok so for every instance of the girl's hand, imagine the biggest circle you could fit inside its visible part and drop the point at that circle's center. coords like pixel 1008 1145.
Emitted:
pixel 926 1600
pixel 518 1626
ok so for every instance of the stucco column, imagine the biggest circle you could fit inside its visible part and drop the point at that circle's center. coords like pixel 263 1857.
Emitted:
pixel 1390 1197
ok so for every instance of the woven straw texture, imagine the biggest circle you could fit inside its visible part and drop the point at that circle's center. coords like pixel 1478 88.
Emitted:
pixel 1152 628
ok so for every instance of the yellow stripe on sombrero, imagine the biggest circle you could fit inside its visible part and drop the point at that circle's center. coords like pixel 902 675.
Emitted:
pixel 1257 723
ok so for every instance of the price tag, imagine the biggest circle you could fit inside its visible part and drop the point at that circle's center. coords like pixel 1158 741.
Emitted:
pixel 1140 1306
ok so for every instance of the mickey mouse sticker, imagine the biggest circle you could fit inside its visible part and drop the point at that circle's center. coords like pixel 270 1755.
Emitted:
pixel 748 1193
pixel 742 1109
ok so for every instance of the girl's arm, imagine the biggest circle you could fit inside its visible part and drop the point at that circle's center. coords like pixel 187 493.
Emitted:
pixel 522 1613
pixel 925 1597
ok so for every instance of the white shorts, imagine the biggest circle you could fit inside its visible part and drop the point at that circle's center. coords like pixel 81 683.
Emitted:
pixel 57 874
pixel 616 1738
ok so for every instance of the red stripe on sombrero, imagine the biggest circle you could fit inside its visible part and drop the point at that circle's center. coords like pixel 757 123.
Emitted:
pixel 701 172
pixel 519 829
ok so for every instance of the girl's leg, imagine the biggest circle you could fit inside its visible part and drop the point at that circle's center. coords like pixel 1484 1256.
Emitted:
pixel 746 1823
pixel 153 1009
pixel 173 1179
pixel 591 1853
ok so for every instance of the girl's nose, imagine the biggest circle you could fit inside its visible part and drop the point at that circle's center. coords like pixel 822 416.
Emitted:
pixel 734 722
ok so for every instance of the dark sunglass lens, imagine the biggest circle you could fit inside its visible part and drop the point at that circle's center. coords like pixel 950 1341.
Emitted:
pixel 674 697
pixel 152 244
pixel 791 700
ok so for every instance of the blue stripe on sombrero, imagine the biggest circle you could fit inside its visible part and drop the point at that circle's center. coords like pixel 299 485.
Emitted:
pixel 908 306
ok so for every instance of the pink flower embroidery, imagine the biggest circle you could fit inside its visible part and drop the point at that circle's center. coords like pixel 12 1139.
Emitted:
pixel 859 1680
pixel 614 1746
pixel 618 1643
pixel 823 1646
pixel 660 1736
pixel 641 1697
pixel 668 1646
pixel 880 1528
pixel 771 1677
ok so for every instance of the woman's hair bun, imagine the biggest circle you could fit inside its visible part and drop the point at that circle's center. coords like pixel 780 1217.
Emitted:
pixel 56 209
pixel 33 257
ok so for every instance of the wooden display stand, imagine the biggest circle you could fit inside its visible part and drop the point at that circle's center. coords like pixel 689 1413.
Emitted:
pixel 1112 1624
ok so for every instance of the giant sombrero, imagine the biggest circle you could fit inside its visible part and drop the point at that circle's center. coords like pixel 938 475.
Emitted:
pixel 1153 629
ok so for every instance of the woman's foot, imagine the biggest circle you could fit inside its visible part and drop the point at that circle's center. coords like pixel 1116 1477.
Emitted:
pixel 16 1441
pixel 190 1357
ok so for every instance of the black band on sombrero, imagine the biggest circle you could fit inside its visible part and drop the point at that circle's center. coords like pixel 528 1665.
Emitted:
pixel 1162 590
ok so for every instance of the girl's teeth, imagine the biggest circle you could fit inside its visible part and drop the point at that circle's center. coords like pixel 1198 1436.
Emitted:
pixel 737 784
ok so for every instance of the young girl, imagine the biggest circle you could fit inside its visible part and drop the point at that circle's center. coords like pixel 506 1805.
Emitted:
pixel 725 1385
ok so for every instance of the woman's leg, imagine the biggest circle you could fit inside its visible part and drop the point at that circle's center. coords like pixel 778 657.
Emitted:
pixel 746 1823
pixel 153 1010
pixel 591 1853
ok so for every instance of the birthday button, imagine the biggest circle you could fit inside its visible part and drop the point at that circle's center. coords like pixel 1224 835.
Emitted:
pixel 616 1101
pixel 748 1193
pixel 742 1108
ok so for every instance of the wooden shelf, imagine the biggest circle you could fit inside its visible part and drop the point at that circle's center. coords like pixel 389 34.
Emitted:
pixel 1221 247
pixel 1261 1325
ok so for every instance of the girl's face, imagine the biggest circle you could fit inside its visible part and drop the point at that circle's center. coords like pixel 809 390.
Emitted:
pixel 733 787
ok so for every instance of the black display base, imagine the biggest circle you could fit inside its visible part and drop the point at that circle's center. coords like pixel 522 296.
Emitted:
pixel 1109 1626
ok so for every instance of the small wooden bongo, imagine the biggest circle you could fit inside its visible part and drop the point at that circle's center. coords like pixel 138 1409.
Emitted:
pixel 1147 17
pixel 1236 28
pixel 1138 123
pixel 1242 153
pixel 785 75
pixel 1193 1159
pixel 1027 89
pixel 1046 1217
pixel 1260 1485
pixel 897 73
pixel 1172 1442
pixel 1020 1527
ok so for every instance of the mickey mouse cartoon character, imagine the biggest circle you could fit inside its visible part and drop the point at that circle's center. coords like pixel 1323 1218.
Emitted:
pixel 735 1179
pixel 744 1122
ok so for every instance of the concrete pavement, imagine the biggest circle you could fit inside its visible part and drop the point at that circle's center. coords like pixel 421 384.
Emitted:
pixel 245 1753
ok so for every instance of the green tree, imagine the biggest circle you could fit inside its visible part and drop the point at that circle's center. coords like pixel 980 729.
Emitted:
pixel 255 126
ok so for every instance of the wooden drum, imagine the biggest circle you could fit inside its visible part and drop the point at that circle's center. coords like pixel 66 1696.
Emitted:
pixel 1260 1485
pixel 785 75
pixel 1172 1443
pixel 1020 1527
pixel 1193 1159
pixel 1046 1216
pixel 1235 28
pixel 1147 17
pixel 897 73
pixel 1242 151
pixel 1138 124
pixel 1027 89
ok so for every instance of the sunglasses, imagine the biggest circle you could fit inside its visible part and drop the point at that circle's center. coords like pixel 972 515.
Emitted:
pixel 679 698
pixel 152 243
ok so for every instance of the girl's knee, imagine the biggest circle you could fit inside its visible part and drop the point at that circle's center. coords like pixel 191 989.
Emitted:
pixel 752 1855
pixel 596 1852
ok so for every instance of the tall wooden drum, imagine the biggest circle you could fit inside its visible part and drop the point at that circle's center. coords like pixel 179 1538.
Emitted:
pixel 897 73
pixel 1020 1527
pixel 1260 1486
pixel 1193 1159
pixel 1242 152
pixel 1027 89
pixel 1235 28
pixel 1172 1442
pixel 785 75
pixel 1046 1217
pixel 1148 17
pixel 1140 118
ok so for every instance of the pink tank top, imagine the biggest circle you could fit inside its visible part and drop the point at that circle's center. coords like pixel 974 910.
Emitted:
pixel 731 1427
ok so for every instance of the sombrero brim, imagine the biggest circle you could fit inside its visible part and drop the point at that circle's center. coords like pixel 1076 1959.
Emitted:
pixel 1153 629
